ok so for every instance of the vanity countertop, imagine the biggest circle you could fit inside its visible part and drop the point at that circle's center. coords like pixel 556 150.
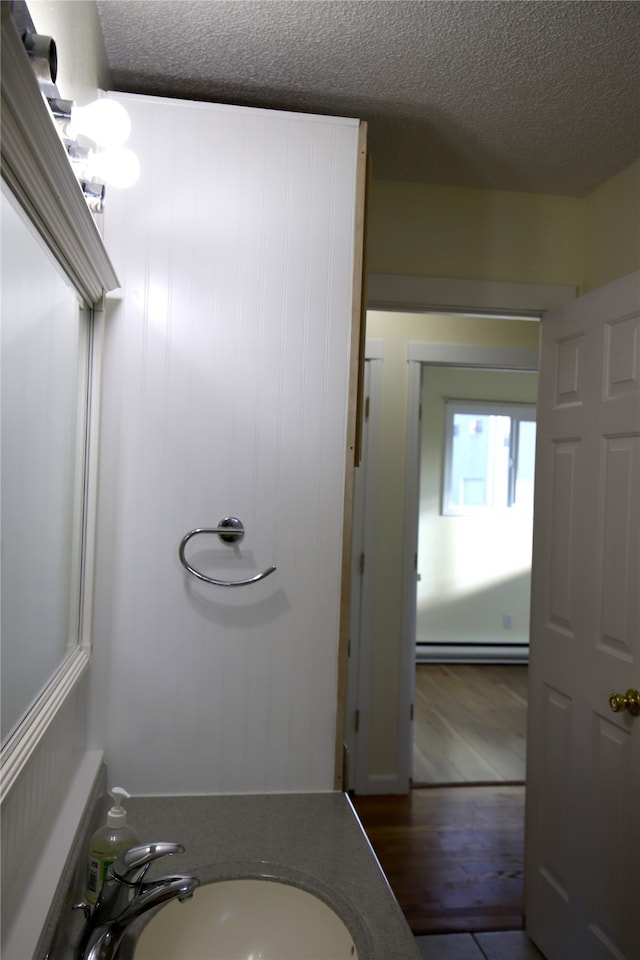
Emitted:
pixel 311 840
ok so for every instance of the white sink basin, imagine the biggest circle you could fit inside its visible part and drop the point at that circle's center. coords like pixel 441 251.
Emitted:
pixel 247 919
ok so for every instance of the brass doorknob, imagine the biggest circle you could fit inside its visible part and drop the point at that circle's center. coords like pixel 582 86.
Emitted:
pixel 630 701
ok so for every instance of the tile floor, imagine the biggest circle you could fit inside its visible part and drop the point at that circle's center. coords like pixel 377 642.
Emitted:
pixel 507 945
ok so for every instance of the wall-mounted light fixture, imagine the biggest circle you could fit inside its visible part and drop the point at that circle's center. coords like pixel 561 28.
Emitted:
pixel 44 59
pixel 93 135
pixel 106 122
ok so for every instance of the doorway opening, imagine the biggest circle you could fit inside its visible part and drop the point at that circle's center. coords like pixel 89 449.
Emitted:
pixel 485 890
pixel 387 571
pixel 486 893
pixel 473 576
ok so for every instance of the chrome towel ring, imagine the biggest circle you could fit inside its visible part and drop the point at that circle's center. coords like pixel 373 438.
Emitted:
pixel 230 530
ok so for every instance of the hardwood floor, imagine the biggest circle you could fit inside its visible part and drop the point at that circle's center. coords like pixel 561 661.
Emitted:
pixel 470 723
pixel 453 850
pixel 453 855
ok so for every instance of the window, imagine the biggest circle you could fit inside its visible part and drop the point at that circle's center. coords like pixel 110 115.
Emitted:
pixel 489 457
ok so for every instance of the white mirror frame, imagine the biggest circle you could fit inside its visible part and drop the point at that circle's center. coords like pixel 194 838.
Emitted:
pixel 35 167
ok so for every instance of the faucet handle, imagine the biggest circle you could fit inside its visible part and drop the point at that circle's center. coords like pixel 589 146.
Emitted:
pixel 132 864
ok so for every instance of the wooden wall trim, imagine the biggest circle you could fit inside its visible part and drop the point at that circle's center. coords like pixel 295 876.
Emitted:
pixel 354 422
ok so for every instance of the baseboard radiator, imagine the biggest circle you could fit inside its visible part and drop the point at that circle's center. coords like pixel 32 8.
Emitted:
pixel 472 653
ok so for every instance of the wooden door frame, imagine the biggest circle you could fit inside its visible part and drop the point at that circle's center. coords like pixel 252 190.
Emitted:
pixel 437 295
pixel 358 707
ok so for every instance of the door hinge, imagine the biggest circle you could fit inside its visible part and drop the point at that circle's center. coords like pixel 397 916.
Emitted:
pixel 415 562
pixel 361 563
pixel 366 408
pixel 356 721
pixel 411 712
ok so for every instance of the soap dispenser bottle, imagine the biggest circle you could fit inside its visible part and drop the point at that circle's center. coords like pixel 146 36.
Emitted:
pixel 107 842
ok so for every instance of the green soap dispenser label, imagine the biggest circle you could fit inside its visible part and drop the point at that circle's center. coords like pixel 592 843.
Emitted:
pixel 96 876
pixel 93 879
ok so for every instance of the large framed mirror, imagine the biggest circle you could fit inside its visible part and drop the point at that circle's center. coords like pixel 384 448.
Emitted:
pixel 45 341
pixel 55 272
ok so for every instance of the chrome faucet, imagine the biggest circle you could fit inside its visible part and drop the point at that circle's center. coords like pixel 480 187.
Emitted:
pixel 125 896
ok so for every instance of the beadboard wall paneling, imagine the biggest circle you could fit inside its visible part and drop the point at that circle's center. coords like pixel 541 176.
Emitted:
pixel 28 812
pixel 225 393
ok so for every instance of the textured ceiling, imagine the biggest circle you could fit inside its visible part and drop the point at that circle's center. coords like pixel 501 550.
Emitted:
pixel 540 96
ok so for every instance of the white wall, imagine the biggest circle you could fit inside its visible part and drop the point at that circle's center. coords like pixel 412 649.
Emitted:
pixel 225 392
pixel 473 570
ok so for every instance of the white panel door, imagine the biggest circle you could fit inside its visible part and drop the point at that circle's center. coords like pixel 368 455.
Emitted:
pixel 583 776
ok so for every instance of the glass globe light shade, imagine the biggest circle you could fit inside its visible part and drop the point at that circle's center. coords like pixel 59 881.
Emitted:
pixel 106 122
pixel 118 167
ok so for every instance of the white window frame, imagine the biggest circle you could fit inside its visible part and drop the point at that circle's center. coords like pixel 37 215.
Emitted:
pixel 517 413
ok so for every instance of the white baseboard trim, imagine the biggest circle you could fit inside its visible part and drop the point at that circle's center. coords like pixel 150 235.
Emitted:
pixel 23 938
pixel 382 784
